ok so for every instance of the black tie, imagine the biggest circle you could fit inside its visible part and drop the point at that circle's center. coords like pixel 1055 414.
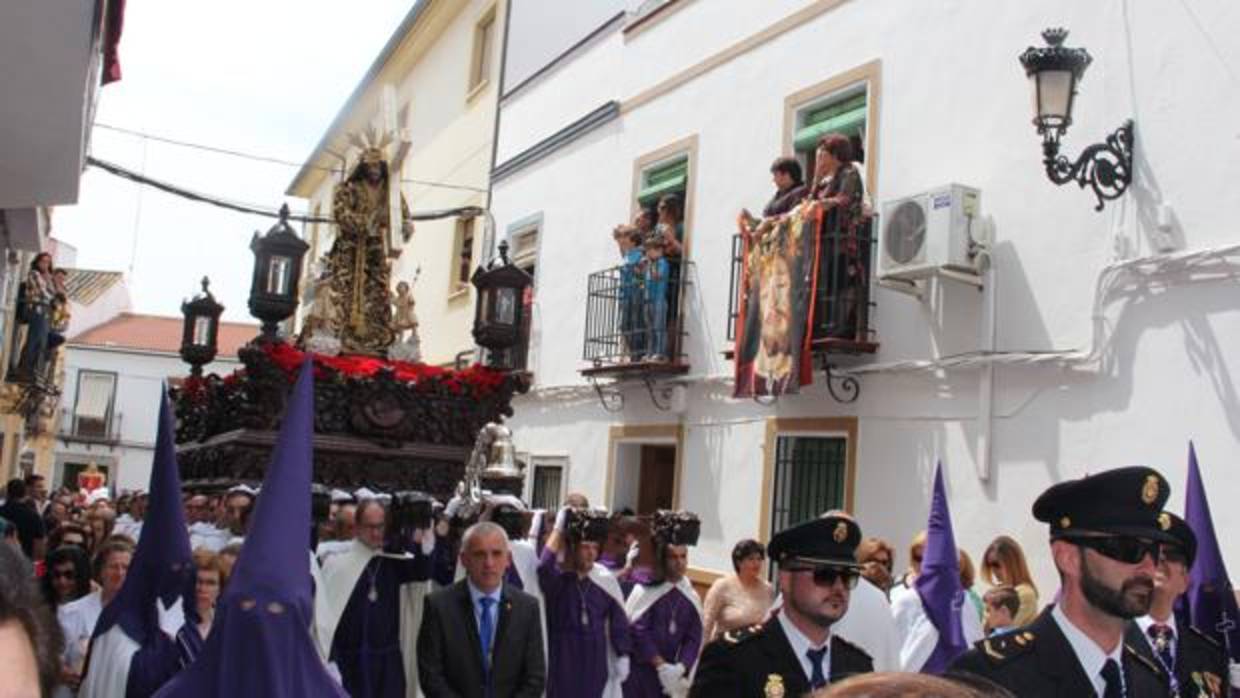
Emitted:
pixel 1110 674
pixel 816 679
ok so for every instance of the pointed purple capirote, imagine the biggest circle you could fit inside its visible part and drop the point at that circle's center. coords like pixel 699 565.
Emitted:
pixel 1211 604
pixel 938 584
pixel 260 643
pixel 161 571
pixel 162 561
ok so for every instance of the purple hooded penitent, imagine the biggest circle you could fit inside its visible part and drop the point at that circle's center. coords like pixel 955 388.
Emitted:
pixel 938 584
pixel 1211 604
pixel 159 572
pixel 260 644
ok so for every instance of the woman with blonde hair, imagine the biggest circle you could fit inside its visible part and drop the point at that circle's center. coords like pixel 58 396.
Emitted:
pixel 1004 564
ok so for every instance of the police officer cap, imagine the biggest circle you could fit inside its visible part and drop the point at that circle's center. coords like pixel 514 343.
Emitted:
pixel 1186 540
pixel 1124 501
pixel 831 540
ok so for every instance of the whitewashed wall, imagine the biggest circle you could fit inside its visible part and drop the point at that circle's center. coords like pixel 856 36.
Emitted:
pixel 140 376
pixel 954 108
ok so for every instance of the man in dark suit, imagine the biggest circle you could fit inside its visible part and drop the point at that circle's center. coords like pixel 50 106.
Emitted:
pixel 1196 663
pixel 794 652
pixel 481 638
pixel 1106 535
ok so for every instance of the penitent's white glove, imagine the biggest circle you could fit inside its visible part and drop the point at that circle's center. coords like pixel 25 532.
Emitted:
pixel 669 677
pixel 454 505
pixel 428 541
pixel 622 669
pixel 561 519
pixel 1235 674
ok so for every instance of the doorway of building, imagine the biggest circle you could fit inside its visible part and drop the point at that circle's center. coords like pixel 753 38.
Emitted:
pixel 645 477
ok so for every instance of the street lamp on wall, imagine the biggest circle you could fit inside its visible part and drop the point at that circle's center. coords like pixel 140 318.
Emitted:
pixel 1054 72
pixel 500 307
pixel 277 275
pixel 200 332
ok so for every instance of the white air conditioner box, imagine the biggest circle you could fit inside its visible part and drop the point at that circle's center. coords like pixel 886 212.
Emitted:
pixel 918 235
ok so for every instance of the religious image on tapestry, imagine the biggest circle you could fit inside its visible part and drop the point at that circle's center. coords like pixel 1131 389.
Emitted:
pixel 778 277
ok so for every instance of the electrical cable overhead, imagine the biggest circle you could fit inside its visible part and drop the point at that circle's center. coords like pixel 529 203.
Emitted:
pixel 270 160
pixel 255 209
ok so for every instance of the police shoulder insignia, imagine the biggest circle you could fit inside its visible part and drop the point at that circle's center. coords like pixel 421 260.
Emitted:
pixel 1131 653
pixel 741 634
pixel 1003 647
pixel 1207 637
pixel 774 687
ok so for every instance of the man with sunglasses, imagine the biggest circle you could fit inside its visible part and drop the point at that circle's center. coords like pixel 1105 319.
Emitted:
pixel 1195 663
pixel 1106 533
pixel 795 651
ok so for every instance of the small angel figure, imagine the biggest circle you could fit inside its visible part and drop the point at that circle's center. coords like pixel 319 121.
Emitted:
pixel 403 316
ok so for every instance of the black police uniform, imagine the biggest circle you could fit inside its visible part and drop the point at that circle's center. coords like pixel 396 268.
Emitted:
pixel 1200 666
pixel 758 661
pixel 1038 660
pixel 1200 662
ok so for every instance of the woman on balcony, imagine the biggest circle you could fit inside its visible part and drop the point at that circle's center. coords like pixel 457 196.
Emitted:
pixel 39 291
pixel 838 185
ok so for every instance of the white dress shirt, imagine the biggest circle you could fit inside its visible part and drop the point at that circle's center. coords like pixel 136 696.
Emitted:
pixel 801 645
pixel 1089 654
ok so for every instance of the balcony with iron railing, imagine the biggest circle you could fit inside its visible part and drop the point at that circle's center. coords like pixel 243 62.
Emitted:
pixel 634 322
pixel 842 297
pixel 89 430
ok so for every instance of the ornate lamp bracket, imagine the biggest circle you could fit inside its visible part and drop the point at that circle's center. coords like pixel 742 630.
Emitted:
pixel 1104 167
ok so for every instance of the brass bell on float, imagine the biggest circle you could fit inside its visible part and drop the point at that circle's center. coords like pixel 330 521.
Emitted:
pixel 501 458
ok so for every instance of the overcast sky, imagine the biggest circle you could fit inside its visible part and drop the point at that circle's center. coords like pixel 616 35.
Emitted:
pixel 258 76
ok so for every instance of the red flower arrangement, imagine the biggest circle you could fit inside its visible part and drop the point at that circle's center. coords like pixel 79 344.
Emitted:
pixel 476 380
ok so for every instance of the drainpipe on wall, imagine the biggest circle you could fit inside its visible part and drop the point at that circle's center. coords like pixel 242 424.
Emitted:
pixel 986 384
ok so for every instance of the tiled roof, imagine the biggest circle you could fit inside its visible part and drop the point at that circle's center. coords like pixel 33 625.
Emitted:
pixel 157 333
pixel 86 285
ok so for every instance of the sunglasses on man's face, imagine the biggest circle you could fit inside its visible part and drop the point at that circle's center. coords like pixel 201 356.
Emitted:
pixel 1125 549
pixel 828 575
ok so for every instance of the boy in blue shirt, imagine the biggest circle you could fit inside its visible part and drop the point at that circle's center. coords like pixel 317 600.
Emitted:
pixel 632 328
pixel 655 272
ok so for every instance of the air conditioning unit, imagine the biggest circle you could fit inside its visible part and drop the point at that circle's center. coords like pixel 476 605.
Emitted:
pixel 930 231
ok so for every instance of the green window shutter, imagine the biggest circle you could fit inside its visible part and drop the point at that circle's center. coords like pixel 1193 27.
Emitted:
pixel 846 117
pixel 666 179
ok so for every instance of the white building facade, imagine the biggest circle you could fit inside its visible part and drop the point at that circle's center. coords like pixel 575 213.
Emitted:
pixel 1100 339
pixel 110 407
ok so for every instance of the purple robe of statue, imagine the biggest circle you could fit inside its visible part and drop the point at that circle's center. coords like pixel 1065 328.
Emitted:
pixel 671 629
pixel 366 646
pixel 581 616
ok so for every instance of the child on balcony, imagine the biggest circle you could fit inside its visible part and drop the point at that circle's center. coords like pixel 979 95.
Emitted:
pixel 632 329
pixel 656 271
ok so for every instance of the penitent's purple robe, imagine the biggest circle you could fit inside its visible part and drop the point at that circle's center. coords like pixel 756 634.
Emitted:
pixel 671 629
pixel 366 646
pixel 577 665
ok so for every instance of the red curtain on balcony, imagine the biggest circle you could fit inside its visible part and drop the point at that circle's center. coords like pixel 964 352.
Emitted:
pixel 779 277
pixel 113 22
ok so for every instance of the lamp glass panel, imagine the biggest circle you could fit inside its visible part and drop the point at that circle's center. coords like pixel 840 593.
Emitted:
pixel 506 306
pixel 202 331
pixel 278 275
pixel 1054 94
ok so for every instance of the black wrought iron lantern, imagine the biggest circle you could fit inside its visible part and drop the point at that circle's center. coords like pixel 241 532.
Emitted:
pixel 200 331
pixel 1054 72
pixel 274 291
pixel 500 305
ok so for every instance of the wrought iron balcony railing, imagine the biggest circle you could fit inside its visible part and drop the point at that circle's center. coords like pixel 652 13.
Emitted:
pixel 633 322
pixel 842 299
